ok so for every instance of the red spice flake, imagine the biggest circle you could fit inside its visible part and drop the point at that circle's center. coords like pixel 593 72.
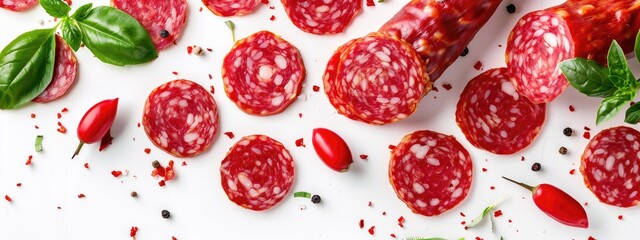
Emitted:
pixel 165 172
pixel 37 127
pixel 492 188
pixel 586 203
pixel 571 109
pixel 462 214
pixel 573 171
pixel 591 238
pixel 361 223
pixel 133 232
pixel 393 235
pixel 161 183
pixel 479 238
pixel 372 230
pixel 173 238
pixel 435 89
pixel 497 213
pixel 116 173
pixel 210 77
pixel 29 159
pixel 619 217
pixel 33 115
pixel 6 197
pixel 392 147
pixel 189 49
pixel 175 73
pixel 59 115
pixel 463 223
pixel 147 150
pixel 19 185
pixel 300 115
pixel 106 141
pixel 209 49
pixel 316 88
pixel 272 7
pixel 265 2
pixel 364 156
pixel 370 204
pixel 138 124
pixel 59 208
pixel 586 135
pixel 229 134
pixel 446 86
pixel 509 220
pixel 484 169
pixel 587 128
pixel 384 213
pixel 200 9
pixel 478 65
pixel 300 142
pixel 212 90
pixel 370 3
pixel 499 45
pixel 522 158
pixel 81 195
pixel 272 18
pixel 68 2
pixel 184 163
pixel 86 165
pixel 61 128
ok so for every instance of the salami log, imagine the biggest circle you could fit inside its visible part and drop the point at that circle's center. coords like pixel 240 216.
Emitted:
pixel 377 79
pixel 257 172
pixel 320 16
pixel 430 172
pixel 163 19
pixel 263 74
pixel 64 73
pixel 494 117
pixel 610 165
pixel 181 118
pixel 227 8
pixel 579 28
pixel 17 5
pixel 440 30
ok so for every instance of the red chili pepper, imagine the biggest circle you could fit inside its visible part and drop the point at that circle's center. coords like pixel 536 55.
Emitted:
pixel 332 149
pixel 557 204
pixel 96 122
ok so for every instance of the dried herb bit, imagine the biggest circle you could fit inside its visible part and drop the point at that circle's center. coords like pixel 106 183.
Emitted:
pixel 134 194
pixel 302 194
pixel 155 164
pixel 232 28
pixel 315 199
pixel 38 144
pixel 536 167
pixel 485 212
pixel 166 214
pixel 164 33
pixel 567 132
pixel 465 52
pixel 562 150
pixel 511 8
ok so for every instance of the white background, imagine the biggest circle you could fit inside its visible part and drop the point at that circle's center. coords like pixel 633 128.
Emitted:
pixel 199 207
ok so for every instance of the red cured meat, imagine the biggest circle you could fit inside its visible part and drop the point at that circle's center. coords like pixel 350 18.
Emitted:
pixel 18 5
pixel 157 15
pixel 321 16
pixel 580 28
pixel 610 165
pixel 376 79
pixel 64 73
pixel 493 116
pixel 263 74
pixel 226 8
pixel 430 172
pixel 257 172
pixel 181 118
pixel 440 30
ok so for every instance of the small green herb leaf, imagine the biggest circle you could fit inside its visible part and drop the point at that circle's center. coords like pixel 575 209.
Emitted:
pixel 82 11
pixel 232 28
pixel 302 194
pixel 55 8
pixel 637 47
pixel 610 106
pixel 38 144
pixel 588 77
pixel 632 115
pixel 618 66
pixel 71 33
pixel 481 217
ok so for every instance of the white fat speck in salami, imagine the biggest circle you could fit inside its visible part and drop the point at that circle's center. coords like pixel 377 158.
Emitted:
pixel 321 16
pixel 181 118
pixel 65 72
pixel 257 172
pixel 263 74
pixel 493 116
pixel 227 8
pixel 156 16
pixel 610 165
pixel 17 5
pixel 430 172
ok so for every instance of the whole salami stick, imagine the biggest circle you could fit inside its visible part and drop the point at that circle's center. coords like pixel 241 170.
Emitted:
pixel 440 30
pixel 577 28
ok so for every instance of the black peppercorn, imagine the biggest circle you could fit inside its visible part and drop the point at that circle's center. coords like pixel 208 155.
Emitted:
pixel 567 132
pixel 164 33
pixel 511 8
pixel 536 167
pixel 155 164
pixel 562 150
pixel 166 214
pixel 464 52
pixel 315 199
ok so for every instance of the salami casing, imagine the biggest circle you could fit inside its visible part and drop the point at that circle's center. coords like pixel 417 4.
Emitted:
pixel 263 74
pixel 494 117
pixel 440 30
pixel 578 28
pixel 64 73
pixel 257 172
pixel 18 5
pixel 610 165
pixel 181 118
pixel 227 8
pixel 321 16
pixel 430 172
pixel 157 16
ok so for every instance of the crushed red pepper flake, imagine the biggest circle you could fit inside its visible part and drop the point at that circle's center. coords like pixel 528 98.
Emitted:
pixel 265 2
pixel 173 238
pixel 184 163
pixel 591 238
pixel 370 3
pixel 175 73
pixel 116 173
pixel 33 115
pixel 478 65
pixel 370 204
pixel 372 230
pixel 161 183
pixel 6 197
pixel 463 223
pixel 147 150
pixel 209 49
pixel 64 110
pixel 361 223
pixel 316 88
pixel 446 86
pixel 392 147
pixel 200 9
pixel 36 126
pixel 492 188
pixel 272 18
pixel 212 90
pixel 133 232
pixel 81 195
pixel 522 158
pixel 587 128
pixel 300 142
pixel 619 217
pixel 364 156
pixel 210 76
pixel 586 135
pixel 189 49
pixel 59 115
pixel 61 128
pixel 484 169
pixel 462 214
pixel 392 235
pixel 272 7
pixel 573 171
pixel 138 124
pixel 29 159
pixel 300 115
pixel 479 238
pixel 497 213
pixel 384 213
pixel 86 165
pixel 509 220
pixel 229 134
pixel 18 184
pixel 571 109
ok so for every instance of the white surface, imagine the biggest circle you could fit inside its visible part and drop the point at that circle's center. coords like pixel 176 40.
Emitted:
pixel 199 207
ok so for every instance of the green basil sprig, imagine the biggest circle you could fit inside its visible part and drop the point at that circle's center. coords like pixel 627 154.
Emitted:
pixel 615 82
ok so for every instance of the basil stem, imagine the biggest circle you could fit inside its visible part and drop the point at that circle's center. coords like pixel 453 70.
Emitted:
pixel 232 28
pixel 55 8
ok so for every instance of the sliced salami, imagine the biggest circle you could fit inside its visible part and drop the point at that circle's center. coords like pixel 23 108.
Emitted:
pixel 379 79
pixel 440 30
pixel 542 39
pixel 257 172
pixel 181 118
pixel 430 172
pixel 64 73
pixel 157 16
pixel 263 74
pixel 320 16
pixel 227 8
pixel 18 5
pixel 610 165
pixel 494 117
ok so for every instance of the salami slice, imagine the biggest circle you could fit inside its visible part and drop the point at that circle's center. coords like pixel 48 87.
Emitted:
pixel 320 16
pixel 494 117
pixel 263 74
pixel 257 172
pixel 542 39
pixel 227 8
pixel 430 172
pixel 18 5
pixel 64 73
pixel 440 30
pixel 157 16
pixel 181 118
pixel 610 164
pixel 379 79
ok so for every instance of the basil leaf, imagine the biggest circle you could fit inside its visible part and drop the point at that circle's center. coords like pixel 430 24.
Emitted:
pixel 71 33
pixel 588 77
pixel 116 38
pixel 55 8
pixel 618 81
pixel 610 106
pixel 632 116
pixel 637 47
pixel 82 12
pixel 618 66
pixel 26 67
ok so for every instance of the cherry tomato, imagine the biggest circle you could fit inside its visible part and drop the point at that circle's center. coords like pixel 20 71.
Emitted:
pixel 96 122
pixel 332 149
